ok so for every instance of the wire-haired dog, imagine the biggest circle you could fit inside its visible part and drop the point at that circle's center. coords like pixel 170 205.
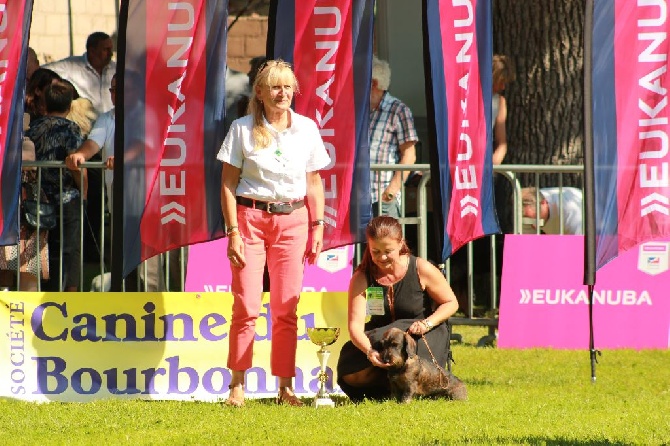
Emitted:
pixel 410 375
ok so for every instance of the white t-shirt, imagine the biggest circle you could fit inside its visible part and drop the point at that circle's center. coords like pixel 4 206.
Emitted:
pixel 279 171
pixel 86 80
pixel 572 210
pixel 103 135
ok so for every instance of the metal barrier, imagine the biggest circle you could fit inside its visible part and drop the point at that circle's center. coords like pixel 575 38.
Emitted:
pixel 488 314
pixel 39 166
pixel 475 311
pixel 95 273
pixel 421 219
pixel 512 171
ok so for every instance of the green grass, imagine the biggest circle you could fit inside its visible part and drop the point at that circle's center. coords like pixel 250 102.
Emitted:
pixel 515 397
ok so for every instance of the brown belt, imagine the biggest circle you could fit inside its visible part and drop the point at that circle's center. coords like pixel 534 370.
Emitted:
pixel 271 207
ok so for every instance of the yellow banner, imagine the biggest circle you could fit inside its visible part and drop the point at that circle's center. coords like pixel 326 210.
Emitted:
pixel 89 346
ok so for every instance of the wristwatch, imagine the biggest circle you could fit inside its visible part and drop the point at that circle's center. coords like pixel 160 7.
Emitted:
pixel 428 324
pixel 318 222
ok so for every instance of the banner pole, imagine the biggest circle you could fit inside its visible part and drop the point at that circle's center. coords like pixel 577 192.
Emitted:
pixel 589 179
pixel 593 353
pixel 272 30
pixel 119 134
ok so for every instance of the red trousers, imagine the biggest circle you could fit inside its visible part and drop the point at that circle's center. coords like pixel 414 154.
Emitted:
pixel 282 240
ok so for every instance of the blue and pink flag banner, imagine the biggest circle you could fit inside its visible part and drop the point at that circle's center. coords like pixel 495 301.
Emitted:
pixel 630 124
pixel 330 47
pixel 543 302
pixel 175 63
pixel 15 19
pixel 459 38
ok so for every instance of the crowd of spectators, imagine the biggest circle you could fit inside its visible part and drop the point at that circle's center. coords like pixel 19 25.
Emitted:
pixel 69 118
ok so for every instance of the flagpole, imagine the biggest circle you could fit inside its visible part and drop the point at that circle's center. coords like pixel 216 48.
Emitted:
pixel 593 353
pixel 272 30
pixel 589 179
pixel 119 134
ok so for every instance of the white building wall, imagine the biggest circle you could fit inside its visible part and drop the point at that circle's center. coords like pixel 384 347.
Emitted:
pixel 50 35
pixel 50 31
pixel 400 42
pixel 399 39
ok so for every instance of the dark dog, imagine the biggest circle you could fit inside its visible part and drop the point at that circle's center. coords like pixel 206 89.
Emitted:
pixel 410 375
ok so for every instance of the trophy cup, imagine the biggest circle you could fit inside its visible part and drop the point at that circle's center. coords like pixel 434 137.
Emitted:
pixel 323 337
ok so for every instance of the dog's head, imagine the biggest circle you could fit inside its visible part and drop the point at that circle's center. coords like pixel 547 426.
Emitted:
pixel 397 347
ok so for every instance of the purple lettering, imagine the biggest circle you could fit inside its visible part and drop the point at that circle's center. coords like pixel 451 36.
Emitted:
pixel 37 319
pixel 207 380
pixel 173 376
pixel 77 378
pixel 206 327
pixel 43 374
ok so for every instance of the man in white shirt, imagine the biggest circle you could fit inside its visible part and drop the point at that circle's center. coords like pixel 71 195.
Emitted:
pixel 559 206
pixel 91 75
pixel 101 139
pixel 92 72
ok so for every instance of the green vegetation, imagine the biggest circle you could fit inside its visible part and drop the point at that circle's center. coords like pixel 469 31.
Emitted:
pixel 516 397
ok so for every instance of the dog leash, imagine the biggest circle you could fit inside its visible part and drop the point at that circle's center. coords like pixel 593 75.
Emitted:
pixel 432 356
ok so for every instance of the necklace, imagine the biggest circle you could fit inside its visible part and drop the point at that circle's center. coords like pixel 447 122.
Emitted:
pixel 277 127
pixel 390 297
pixel 278 152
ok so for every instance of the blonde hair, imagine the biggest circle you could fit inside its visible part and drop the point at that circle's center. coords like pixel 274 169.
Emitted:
pixel 272 72
pixel 83 114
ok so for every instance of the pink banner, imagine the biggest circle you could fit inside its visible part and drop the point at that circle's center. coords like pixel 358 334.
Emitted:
pixel 324 66
pixel 467 123
pixel 175 60
pixel 543 302
pixel 11 41
pixel 209 269
pixel 176 67
pixel 641 50
pixel 15 19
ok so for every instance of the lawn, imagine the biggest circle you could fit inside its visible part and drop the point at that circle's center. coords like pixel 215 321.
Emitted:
pixel 534 397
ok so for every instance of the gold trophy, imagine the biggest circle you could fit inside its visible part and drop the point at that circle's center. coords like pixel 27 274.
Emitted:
pixel 323 336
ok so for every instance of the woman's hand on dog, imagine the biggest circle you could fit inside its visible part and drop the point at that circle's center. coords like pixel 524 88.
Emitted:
pixel 376 359
pixel 418 328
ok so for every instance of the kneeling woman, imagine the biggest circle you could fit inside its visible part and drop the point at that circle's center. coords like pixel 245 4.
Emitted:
pixel 399 290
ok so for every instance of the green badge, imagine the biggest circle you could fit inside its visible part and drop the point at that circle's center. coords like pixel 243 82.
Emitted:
pixel 374 297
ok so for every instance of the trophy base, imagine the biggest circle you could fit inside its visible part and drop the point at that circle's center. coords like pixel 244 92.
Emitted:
pixel 323 402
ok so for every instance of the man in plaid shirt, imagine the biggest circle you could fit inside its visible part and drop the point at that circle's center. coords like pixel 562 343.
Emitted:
pixel 392 139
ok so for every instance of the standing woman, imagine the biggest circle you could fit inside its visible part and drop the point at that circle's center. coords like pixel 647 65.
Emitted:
pixel 273 203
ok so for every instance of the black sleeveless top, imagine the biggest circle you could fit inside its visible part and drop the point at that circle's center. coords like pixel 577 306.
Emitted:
pixel 409 300
pixel 410 303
